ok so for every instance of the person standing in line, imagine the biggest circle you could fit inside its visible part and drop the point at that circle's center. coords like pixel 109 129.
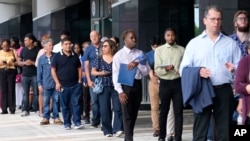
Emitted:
pixel 103 68
pixel 14 43
pixel 46 84
pixel 7 77
pixel 90 55
pixel 79 52
pixel 58 47
pixel 40 53
pixel 86 94
pixel 153 86
pixel 129 96
pixel 116 40
pixel 241 36
pixel 27 60
pixel 217 55
pixel 67 74
pixel 167 62
pixel 242 86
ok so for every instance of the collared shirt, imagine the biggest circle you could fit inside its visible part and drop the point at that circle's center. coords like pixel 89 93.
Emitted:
pixel 66 68
pixel 203 52
pixel 90 54
pixel 241 45
pixel 126 55
pixel 168 55
pixel 57 47
pixel 44 77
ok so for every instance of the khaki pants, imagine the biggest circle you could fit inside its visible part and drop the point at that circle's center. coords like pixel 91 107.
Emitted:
pixel 170 120
pixel 153 89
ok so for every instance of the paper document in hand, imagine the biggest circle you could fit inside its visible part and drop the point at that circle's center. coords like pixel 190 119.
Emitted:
pixel 125 76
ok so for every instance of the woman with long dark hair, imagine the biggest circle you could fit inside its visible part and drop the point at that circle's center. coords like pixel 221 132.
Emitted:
pixel 103 68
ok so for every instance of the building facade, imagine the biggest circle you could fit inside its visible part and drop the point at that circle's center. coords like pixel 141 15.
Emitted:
pixel 111 17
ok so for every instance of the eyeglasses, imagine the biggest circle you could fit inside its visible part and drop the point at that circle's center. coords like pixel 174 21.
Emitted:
pixel 49 62
pixel 214 19
pixel 242 19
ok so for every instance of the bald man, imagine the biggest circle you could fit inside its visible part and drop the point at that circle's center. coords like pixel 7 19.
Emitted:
pixel 90 54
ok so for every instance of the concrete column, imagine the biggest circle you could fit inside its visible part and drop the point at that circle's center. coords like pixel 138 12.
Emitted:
pixel 8 11
pixel 44 7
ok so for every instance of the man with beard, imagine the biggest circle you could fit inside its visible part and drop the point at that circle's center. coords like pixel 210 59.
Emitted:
pixel 168 58
pixel 241 36
pixel 241 30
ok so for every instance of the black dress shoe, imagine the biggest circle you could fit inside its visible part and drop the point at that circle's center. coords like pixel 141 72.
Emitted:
pixel 171 138
pixel 161 140
pixel 4 112
pixel 156 133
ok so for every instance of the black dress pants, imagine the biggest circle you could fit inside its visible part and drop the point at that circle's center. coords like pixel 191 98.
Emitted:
pixel 8 83
pixel 222 113
pixel 86 101
pixel 130 110
pixel 171 89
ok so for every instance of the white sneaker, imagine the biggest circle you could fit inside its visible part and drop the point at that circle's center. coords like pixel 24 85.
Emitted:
pixel 79 126
pixel 109 135
pixel 119 134
pixel 67 128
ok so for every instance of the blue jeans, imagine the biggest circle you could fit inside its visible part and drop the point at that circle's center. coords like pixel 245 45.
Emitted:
pixel 95 107
pixel 26 83
pixel 105 102
pixel 210 130
pixel 69 98
pixel 47 94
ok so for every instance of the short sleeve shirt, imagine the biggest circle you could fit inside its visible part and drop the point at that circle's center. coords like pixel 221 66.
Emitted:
pixel 66 68
pixel 101 65
pixel 29 54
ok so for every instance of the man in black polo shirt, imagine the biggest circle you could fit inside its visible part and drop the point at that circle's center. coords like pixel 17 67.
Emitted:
pixel 66 72
pixel 27 60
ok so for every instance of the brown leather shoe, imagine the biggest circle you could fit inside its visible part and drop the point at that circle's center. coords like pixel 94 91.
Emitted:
pixel 156 133
pixel 44 122
pixel 58 121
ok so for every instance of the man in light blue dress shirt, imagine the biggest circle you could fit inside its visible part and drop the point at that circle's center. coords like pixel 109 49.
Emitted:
pixel 218 56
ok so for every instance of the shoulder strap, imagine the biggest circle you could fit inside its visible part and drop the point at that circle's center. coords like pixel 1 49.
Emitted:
pixel 13 55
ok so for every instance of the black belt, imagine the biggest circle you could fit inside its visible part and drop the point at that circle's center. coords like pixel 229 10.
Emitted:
pixel 222 86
